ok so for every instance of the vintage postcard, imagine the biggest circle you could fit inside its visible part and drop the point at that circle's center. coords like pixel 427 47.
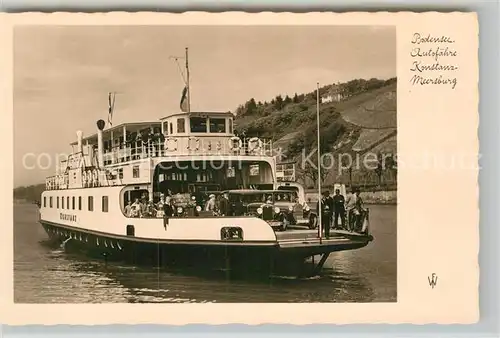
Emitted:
pixel 240 168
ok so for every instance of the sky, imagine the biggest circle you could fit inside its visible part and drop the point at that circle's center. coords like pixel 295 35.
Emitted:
pixel 62 75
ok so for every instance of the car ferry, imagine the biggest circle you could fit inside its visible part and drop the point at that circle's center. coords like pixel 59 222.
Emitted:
pixel 87 203
pixel 138 191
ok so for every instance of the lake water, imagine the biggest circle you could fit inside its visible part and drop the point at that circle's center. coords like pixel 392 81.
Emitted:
pixel 47 275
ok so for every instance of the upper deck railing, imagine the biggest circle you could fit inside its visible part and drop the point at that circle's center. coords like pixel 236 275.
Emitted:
pixel 185 146
pixel 89 175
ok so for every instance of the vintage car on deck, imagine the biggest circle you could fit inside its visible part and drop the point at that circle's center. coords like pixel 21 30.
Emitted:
pixel 295 212
pixel 278 208
pixel 295 187
pixel 186 205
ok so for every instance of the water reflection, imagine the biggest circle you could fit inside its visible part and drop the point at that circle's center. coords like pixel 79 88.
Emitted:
pixel 136 285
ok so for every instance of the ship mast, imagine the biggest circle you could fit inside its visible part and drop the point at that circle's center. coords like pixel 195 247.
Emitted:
pixel 187 84
pixel 320 218
pixel 187 89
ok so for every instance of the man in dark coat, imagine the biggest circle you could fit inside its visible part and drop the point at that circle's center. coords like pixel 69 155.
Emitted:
pixel 338 209
pixel 224 206
pixel 326 213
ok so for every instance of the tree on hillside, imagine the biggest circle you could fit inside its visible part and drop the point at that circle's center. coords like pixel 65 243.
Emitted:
pixel 307 171
pixel 346 163
pixel 240 111
pixel 390 81
pixel 251 107
pixel 379 170
pixel 295 98
pixel 391 165
pixel 287 100
pixel 278 105
pixel 374 83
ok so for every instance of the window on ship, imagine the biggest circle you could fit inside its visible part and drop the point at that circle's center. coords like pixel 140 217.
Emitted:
pixel 135 202
pixel 181 127
pixel 217 125
pixel 198 124
pixel 104 203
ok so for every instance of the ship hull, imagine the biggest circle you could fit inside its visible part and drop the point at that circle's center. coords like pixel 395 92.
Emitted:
pixel 237 259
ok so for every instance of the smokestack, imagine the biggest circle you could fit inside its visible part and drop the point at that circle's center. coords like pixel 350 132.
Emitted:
pixel 100 146
pixel 79 136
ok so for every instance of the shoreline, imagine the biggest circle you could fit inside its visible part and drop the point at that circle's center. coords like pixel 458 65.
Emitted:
pixel 381 197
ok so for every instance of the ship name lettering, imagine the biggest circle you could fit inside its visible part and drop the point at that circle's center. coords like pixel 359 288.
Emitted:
pixel 66 217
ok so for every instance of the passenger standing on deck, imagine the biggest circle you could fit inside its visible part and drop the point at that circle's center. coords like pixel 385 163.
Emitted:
pixel 161 206
pixel 210 206
pixel 136 208
pixel 150 209
pixel 359 212
pixel 326 213
pixel 224 205
pixel 128 209
pixel 144 205
pixel 168 207
pixel 339 209
pixel 237 208
pixel 350 204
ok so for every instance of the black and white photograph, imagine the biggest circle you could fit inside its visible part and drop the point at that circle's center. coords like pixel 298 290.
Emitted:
pixel 205 164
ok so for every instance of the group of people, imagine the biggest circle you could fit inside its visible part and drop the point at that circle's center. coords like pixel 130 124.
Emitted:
pixel 144 208
pixel 220 207
pixel 350 211
pixel 147 209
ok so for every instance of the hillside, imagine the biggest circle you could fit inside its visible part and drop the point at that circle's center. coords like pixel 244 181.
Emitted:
pixel 357 117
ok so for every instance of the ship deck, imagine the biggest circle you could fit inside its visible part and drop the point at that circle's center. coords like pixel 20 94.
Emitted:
pixel 307 241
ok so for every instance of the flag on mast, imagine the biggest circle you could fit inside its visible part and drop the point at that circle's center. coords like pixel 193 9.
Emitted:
pixel 184 101
pixel 111 106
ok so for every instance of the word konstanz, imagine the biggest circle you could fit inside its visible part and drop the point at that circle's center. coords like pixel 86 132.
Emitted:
pixel 66 217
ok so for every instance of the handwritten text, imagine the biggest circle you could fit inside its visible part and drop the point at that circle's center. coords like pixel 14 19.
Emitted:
pixel 433 60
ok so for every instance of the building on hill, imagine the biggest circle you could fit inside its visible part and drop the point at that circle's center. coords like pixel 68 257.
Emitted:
pixel 334 94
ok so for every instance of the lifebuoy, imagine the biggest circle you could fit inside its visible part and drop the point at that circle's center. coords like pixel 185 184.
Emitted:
pixel 197 143
pixel 254 144
pixel 235 143
pixel 167 141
